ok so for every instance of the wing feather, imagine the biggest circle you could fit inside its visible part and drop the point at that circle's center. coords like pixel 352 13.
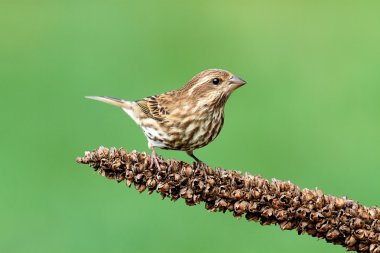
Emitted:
pixel 155 107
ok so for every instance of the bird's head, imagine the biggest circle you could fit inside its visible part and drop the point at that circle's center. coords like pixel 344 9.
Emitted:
pixel 212 86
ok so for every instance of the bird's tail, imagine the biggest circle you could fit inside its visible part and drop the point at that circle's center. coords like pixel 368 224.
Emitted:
pixel 110 100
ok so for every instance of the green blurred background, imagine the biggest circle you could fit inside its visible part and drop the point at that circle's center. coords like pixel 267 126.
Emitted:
pixel 309 114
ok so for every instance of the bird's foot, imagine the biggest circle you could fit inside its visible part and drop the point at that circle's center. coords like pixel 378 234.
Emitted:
pixel 198 162
pixel 154 160
pixel 201 164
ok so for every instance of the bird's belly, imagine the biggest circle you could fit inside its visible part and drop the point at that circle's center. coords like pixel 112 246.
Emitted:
pixel 186 135
pixel 194 136
pixel 157 137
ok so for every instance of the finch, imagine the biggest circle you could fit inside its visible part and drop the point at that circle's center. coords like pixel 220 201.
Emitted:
pixel 184 119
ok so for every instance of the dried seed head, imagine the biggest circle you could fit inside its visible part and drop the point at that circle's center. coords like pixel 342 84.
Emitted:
pixel 338 220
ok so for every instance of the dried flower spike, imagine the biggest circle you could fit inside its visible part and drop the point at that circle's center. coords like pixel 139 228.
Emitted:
pixel 338 220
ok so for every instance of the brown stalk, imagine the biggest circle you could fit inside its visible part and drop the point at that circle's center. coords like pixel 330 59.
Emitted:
pixel 338 220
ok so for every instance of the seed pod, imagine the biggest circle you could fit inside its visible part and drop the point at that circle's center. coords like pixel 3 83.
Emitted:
pixel 120 177
pixel 223 192
pixel 267 212
pixel 376 225
pixel 339 203
pixel 281 215
pixel 363 247
pixel 322 227
pixel 142 188
pixel 188 194
pixel 286 225
pixel 237 194
pixel 197 185
pixel 326 212
pixel 332 234
pixel 252 217
pixel 302 213
pixel 316 216
pixel 152 183
pixel 284 199
pixel 364 214
pixel 374 248
pixel 255 194
pixel 356 223
pixel 373 237
pixel 307 195
pixel 374 213
pixel 210 181
pixel 344 229
pixel 350 240
pixel 361 234
pixel 221 203
pixel 163 187
pixel 253 207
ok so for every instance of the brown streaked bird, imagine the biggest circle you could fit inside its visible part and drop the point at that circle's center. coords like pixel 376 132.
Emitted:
pixel 185 119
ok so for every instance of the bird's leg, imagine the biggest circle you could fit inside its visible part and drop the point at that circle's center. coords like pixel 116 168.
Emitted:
pixel 199 162
pixel 154 159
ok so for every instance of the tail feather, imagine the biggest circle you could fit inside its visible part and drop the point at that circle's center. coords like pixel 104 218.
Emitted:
pixel 110 100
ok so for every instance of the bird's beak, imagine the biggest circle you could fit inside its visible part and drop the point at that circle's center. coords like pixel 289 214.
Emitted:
pixel 236 82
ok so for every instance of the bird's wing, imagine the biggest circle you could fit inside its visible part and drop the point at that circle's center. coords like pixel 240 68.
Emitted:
pixel 156 107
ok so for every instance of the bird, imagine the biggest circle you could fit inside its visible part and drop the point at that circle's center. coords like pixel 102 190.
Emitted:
pixel 185 119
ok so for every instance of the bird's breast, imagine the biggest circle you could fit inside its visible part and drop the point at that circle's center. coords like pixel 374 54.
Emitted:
pixel 183 131
pixel 200 130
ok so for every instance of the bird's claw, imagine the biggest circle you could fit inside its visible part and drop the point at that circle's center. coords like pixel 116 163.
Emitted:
pixel 201 164
pixel 154 160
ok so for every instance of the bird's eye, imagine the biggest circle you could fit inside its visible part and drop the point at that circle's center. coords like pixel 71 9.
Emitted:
pixel 215 81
